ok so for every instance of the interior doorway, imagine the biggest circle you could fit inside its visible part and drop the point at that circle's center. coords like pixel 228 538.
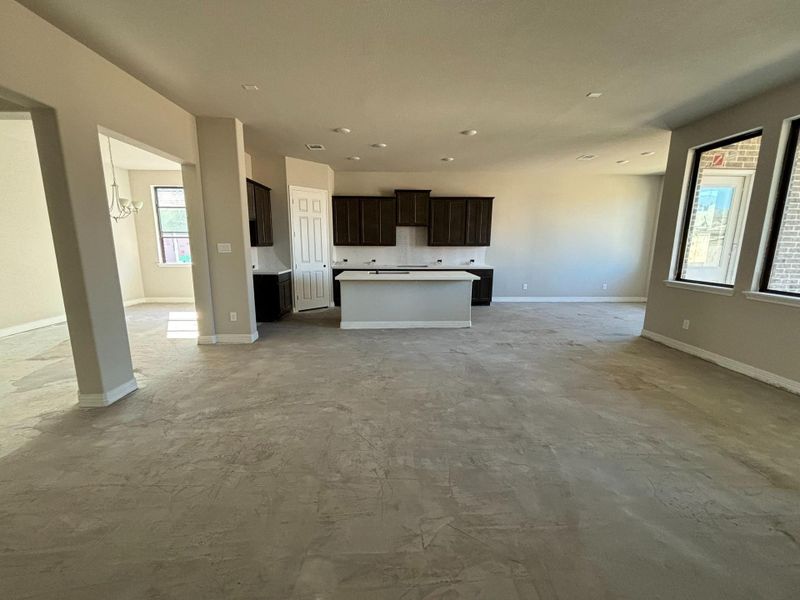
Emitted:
pixel 147 209
pixel 308 209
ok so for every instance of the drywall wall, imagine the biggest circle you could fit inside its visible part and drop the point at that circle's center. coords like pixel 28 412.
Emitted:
pixel 753 333
pixel 158 281
pixel 562 234
pixel 30 290
pixel 126 242
pixel 270 170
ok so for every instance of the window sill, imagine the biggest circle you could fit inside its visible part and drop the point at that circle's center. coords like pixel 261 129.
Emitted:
pixel 773 298
pixel 173 265
pixel 699 287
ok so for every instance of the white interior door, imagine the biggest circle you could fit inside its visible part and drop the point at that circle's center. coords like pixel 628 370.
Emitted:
pixel 310 278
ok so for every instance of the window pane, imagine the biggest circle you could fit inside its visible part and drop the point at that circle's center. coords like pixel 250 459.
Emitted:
pixel 173 220
pixel 176 250
pixel 170 196
pixel 719 206
pixel 785 274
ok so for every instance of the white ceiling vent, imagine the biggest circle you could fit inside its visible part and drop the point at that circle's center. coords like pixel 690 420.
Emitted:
pixel 315 146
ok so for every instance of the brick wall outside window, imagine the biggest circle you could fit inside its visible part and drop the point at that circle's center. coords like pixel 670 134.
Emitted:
pixel 785 276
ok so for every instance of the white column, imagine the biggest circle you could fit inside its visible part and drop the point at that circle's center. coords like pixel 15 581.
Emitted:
pixel 222 173
pixel 72 172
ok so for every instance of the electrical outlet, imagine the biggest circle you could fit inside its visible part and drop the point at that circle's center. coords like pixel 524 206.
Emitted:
pixel 234 316
pixel 605 286
pixel 524 286
pixel 686 323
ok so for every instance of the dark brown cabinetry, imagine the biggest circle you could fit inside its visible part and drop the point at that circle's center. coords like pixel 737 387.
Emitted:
pixel 364 221
pixel 259 212
pixel 460 222
pixel 479 222
pixel 481 289
pixel 273 296
pixel 412 207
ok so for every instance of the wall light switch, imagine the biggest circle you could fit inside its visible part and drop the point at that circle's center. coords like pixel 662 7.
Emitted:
pixel 524 286
pixel 686 323
pixel 224 248
pixel 605 286
pixel 234 316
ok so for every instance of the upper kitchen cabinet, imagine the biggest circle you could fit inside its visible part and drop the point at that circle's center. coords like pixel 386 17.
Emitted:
pixel 378 221
pixel 479 221
pixel 346 221
pixel 364 221
pixel 447 224
pixel 460 222
pixel 259 212
pixel 412 207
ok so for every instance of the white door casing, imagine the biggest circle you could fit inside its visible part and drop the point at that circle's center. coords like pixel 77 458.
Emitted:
pixel 308 210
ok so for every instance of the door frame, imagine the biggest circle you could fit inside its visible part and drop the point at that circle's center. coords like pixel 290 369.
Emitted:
pixel 326 244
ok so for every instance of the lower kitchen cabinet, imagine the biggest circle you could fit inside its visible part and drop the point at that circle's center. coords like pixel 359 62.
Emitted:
pixel 273 296
pixel 481 289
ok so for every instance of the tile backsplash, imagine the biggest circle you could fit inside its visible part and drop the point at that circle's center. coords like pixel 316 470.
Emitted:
pixel 412 248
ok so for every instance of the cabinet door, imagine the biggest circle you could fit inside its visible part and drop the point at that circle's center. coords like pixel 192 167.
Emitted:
pixel 337 288
pixel 378 222
pixel 346 221
pixel 251 201
pixel 285 293
pixel 263 216
pixel 388 222
pixel 479 221
pixel 448 220
pixel 412 207
pixel 482 288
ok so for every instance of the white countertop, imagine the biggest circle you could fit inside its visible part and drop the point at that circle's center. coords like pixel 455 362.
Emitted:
pixel 435 275
pixel 409 267
pixel 270 271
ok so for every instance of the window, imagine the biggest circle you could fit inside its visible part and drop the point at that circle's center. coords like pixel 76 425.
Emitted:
pixel 173 230
pixel 782 267
pixel 719 192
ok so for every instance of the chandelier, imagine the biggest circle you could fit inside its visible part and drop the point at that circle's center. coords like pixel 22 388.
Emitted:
pixel 119 207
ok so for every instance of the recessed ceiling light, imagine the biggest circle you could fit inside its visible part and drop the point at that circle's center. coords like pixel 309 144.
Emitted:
pixel 342 130
pixel 353 158
pixel 586 157
pixel 594 94
pixel 315 146
pixel 378 145
pixel 250 87
pixel 448 159
pixel 648 153
pixel 470 132
pixel 623 162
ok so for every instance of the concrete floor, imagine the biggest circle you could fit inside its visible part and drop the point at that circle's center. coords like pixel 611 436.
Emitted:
pixel 546 453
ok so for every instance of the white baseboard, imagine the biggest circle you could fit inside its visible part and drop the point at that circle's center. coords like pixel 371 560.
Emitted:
pixel 31 325
pixel 404 324
pixel 779 381
pixel 206 340
pixel 106 398
pixel 235 338
pixel 569 299
pixel 168 300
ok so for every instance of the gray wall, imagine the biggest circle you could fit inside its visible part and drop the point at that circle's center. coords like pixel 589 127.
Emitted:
pixel 759 334
pixel 562 233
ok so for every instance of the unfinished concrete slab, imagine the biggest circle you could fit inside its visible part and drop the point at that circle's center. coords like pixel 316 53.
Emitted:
pixel 548 452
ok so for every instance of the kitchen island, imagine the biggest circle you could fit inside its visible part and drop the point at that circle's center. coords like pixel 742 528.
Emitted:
pixel 405 299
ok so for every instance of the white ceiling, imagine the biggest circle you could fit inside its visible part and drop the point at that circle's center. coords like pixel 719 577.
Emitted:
pixel 413 73
pixel 132 158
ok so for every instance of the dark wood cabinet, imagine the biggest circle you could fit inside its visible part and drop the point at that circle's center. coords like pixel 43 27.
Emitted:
pixel 259 212
pixel 272 295
pixel 346 221
pixel 479 222
pixel 460 221
pixel 364 221
pixel 482 288
pixel 412 207
pixel 447 222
